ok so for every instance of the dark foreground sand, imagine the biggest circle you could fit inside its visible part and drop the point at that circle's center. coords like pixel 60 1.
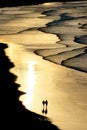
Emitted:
pixel 13 115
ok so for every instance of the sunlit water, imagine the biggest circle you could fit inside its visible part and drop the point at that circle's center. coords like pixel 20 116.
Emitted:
pixel 43 80
pixel 64 88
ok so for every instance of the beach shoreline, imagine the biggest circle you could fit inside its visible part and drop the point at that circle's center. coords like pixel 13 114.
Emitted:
pixel 47 44
pixel 12 109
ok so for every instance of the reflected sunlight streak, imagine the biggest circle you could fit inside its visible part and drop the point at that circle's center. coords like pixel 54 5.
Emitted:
pixel 30 85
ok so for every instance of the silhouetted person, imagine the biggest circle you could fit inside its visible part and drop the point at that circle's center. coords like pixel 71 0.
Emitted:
pixel 43 102
pixel 46 102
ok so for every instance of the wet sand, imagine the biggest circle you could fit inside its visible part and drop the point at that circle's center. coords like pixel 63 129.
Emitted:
pixel 13 112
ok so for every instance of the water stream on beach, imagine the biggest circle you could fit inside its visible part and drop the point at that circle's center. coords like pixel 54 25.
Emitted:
pixel 63 87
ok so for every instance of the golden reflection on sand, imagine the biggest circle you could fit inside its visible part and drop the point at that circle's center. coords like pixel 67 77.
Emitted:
pixel 30 85
pixel 31 37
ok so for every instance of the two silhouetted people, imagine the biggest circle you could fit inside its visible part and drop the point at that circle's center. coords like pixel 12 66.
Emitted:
pixel 45 103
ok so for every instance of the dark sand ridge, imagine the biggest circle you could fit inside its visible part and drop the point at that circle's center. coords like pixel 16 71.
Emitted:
pixel 81 65
pixel 74 55
pixel 13 115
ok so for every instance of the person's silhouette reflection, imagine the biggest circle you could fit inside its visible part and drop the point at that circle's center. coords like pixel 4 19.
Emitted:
pixel 46 111
pixel 43 102
pixel 46 102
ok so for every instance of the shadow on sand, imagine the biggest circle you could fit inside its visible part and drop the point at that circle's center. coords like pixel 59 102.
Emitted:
pixel 12 3
pixel 13 115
